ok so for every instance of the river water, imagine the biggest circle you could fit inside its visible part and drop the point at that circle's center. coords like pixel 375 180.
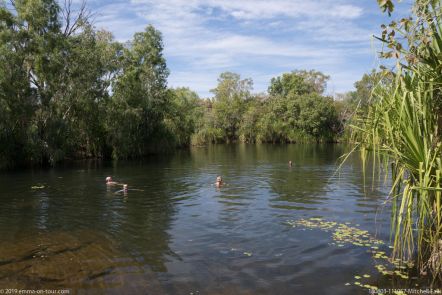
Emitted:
pixel 174 232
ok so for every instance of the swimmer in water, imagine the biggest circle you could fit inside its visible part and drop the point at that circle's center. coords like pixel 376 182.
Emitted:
pixel 219 181
pixel 123 191
pixel 109 181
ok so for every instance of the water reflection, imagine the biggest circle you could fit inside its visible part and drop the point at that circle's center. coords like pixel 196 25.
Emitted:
pixel 177 233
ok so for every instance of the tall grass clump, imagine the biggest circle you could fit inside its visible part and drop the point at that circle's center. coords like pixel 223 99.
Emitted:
pixel 402 129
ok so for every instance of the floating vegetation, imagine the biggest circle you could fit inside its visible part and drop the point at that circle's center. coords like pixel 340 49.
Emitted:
pixel 348 234
pixel 370 287
pixel 345 234
pixel 313 223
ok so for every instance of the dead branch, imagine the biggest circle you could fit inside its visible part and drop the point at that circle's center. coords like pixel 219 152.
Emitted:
pixel 73 21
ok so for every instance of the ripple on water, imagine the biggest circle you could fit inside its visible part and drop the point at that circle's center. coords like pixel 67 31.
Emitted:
pixel 179 234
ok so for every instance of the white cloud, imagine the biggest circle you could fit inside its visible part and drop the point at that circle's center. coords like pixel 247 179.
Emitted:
pixel 259 9
pixel 201 81
pixel 206 37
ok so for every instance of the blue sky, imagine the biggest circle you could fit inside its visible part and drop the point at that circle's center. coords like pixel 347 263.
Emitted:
pixel 257 39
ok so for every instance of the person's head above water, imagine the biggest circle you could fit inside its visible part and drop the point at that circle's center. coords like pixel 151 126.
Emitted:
pixel 110 181
pixel 219 181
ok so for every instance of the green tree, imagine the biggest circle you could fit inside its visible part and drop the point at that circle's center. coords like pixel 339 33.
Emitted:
pixel 317 116
pixel 184 114
pixel 253 111
pixel 298 82
pixel 231 94
pixel 297 111
pixel 34 53
pixel 90 64
pixel 206 129
pixel 17 98
pixel 54 82
pixel 140 99
pixel 272 125
pixel 68 91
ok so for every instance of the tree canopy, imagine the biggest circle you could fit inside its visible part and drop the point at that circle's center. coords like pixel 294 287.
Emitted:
pixel 294 111
pixel 70 91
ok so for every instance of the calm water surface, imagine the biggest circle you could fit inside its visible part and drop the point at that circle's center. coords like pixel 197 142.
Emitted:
pixel 175 233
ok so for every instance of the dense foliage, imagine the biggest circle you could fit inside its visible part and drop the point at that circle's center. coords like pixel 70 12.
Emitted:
pixel 294 111
pixel 69 91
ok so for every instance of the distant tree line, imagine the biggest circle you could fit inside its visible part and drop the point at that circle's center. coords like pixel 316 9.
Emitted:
pixel 294 110
pixel 69 91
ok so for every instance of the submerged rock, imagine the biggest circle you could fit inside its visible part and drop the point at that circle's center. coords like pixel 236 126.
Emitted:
pixel 82 260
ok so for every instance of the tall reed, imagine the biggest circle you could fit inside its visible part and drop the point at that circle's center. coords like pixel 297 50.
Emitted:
pixel 403 131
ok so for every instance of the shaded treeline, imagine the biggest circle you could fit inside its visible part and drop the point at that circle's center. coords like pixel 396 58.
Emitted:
pixel 70 91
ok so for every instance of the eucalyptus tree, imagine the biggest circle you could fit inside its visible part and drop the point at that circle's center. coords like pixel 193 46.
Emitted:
pixel 317 117
pixel 184 115
pixel 298 82
pixel 17 98
pixel 230 96
pixel 32 59
pixel 254 110
pixel 140 99
pixel 55 73
pixel 273 126
pixel 297 110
